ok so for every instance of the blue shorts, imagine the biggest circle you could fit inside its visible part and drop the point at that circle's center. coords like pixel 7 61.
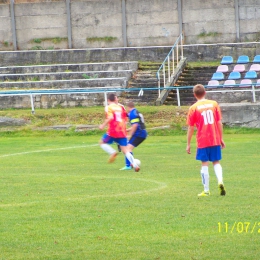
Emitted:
pixel 211 154
pixel 109 140
pixel 135 140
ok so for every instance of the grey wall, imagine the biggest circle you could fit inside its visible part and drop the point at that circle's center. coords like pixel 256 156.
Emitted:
pixel 244 114
pixel 41 20
pixel 151 22
pixel 100 23
pixel 5 28
pixel 209 21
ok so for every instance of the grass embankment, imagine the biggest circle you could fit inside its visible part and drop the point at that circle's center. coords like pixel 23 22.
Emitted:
pixel 173 117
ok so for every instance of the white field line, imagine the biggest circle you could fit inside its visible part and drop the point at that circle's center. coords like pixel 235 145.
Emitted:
pixel 48 150
pixel 161 185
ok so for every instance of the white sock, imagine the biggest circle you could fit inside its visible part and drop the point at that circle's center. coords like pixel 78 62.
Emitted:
pixel 218 172
pixel 131 159
pixel 107 148
pixel 205 177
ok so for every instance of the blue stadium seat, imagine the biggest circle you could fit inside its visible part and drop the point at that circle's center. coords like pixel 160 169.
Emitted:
pixel 230 83
pixel 234 75
pixel 245 83
pixel 243 59
pixel 217 76
pixel 227 60
pixel 251 74
pixel 256 59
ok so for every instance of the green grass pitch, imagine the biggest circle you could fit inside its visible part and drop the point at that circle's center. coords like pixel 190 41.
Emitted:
pixel 60 199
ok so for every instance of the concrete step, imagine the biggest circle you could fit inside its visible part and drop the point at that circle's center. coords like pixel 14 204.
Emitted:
pixel 65 75
pixel 144 84
pixel 104 66
pixel 63 84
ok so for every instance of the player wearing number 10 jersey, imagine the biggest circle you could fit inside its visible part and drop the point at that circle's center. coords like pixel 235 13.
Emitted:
pixel 116 118
pixel 206 116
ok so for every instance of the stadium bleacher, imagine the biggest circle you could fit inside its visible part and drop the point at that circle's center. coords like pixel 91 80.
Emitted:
pixel 239 68
pixel 218 76
pixel 255 67
pixel 222 68
pixel 258 83
pixel 245 83
pixel 213 83
pixel 227 60
pixel 243 59
pixel 232 73
pixel 230 83
pixel 256 59
pixel 251 74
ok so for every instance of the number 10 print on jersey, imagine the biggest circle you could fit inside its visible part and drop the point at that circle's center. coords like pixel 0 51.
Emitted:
pixel 205 114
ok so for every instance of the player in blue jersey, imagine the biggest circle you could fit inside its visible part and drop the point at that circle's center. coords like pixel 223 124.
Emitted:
pixel 136 133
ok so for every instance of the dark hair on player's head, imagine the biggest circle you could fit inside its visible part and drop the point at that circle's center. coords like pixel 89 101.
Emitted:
pixel 130 104
pixel 112 97
pixel 199 91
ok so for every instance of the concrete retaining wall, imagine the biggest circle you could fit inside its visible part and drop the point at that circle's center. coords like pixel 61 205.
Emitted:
pixel 51 101
pixel 9 58
pixel 94 24
pixel 233 96
pixel 245 115
pixel 206 52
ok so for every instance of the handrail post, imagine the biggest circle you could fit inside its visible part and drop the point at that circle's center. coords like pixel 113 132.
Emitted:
pixel 182 46
pixel 159 85
pixel 32 103
pixel 177 53
pixel 164 75
pixel 169 69
pixel 178 97
pixel 173 62
pixel 105 95
pixel 253 90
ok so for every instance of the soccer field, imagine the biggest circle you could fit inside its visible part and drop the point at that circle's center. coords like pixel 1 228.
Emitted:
pixel 60 199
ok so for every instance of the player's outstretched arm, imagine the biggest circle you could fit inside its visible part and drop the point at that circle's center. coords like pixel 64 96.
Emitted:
pixel 102 126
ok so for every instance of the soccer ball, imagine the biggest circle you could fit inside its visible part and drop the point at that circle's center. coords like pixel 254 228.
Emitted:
pixel 138 162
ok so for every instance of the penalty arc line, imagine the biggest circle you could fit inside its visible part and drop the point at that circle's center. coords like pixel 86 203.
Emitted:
pixel 161 185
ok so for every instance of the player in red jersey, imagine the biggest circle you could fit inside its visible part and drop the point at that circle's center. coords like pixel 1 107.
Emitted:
pixel 206 116
pixel 116 119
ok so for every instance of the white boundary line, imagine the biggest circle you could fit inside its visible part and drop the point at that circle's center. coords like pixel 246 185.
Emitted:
pixel 48 150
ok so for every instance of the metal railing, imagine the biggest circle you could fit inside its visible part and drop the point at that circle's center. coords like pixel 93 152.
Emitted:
pixel 255 87
pixel 170 59
pixel 222 89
